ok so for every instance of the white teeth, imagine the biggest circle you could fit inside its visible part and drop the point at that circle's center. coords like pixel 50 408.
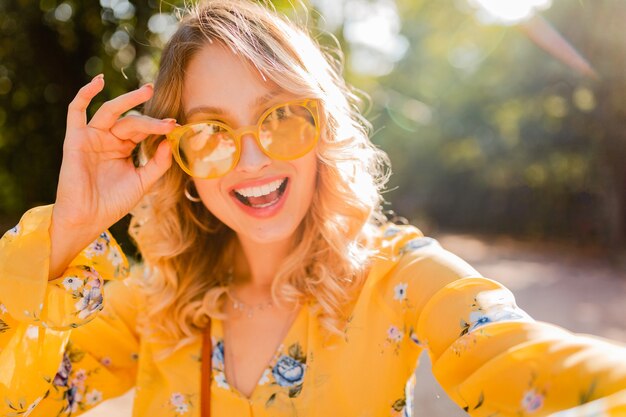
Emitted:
pixel 262 190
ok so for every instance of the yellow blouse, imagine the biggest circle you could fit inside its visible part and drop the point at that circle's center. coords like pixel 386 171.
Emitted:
pixel 60 355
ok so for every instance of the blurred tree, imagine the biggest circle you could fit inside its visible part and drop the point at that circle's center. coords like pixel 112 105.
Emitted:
pixel 485 130
pixel 48 50
pixel 488 132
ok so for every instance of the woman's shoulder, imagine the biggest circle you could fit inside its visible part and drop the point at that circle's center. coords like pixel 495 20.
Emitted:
pixel 403 253
pixel 394 240
pixel 395 244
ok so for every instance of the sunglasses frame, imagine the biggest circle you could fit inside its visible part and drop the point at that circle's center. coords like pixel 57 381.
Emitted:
pixel 312 105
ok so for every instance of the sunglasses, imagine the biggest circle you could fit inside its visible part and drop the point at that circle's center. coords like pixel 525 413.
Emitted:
pixel 211 149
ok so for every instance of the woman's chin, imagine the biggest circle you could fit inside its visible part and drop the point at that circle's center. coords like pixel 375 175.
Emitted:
pixel 264 235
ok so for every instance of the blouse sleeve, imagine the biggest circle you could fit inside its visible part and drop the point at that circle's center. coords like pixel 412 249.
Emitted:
pixel 59 355
pixel 491 357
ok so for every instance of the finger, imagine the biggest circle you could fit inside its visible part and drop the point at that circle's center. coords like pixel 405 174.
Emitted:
pixel 109 112
pixel 156 166
pixel 138 127
pixel 77 109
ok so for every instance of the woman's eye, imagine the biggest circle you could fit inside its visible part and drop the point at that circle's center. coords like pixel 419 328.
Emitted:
pixel 280 113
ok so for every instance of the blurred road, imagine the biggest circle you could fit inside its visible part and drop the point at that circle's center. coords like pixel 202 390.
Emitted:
pixel 573 288
pixel 570 287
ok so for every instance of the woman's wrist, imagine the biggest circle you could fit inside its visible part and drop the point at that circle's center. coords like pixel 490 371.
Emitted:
pixel 67 239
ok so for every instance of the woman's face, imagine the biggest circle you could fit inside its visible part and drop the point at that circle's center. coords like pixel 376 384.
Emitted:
pixel 220 86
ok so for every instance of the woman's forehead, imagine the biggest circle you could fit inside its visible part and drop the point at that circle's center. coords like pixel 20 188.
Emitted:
pixel 220 80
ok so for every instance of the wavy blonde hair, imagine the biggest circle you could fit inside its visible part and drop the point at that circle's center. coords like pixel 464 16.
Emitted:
pixel 187 250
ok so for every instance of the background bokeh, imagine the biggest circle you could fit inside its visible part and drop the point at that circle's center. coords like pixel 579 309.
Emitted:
pixel 488 131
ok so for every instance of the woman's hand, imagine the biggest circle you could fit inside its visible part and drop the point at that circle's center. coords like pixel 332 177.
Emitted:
pixel 98 182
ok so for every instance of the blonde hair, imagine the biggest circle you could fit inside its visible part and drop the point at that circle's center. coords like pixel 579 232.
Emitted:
pixel 187 250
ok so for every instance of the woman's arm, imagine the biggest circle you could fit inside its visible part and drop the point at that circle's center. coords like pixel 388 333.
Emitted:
pixel 58 352
pixel 488 354
pixel 41 297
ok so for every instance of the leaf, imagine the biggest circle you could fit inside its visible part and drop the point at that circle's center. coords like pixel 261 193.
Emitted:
pixel 465 327
pixel 399 404
pixel 76 355
pixel 295 391
pixel 270 400
pixel 3 326
pixel 296 352
pixel 481 400
pixel 10 404
pixel 585 397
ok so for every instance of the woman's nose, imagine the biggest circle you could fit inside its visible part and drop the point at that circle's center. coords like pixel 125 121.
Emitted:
pixel 252 158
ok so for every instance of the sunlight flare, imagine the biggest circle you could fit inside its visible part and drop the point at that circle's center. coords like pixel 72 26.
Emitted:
pixel 509 12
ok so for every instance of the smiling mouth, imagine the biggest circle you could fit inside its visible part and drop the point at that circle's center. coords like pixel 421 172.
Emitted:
pixel 263 196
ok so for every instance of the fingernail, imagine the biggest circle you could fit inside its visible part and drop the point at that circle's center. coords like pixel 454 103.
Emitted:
pixel 148 85
pixel 99 76
pixel 169 120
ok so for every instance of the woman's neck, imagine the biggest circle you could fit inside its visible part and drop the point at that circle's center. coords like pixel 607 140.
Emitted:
pixel 256 264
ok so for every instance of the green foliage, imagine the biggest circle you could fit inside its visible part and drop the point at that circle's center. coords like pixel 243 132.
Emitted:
pixel 485 130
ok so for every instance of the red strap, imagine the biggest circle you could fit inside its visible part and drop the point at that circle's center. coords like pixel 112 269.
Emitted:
pixel 205 374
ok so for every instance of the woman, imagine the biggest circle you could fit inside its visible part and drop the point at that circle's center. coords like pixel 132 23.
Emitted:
pixel 265 245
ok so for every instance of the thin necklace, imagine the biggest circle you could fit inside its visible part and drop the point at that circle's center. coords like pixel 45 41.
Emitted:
pixel 248 309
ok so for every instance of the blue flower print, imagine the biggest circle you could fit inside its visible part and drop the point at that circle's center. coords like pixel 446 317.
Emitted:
pixel 532 401
pixel 91 298
pixel 105 236
pixel 479 321
pixel 288 371
pixel 415 244
pixel 70 396
pixel 217 363
pixel 391 231
pixel 493 306
pixel 13 231
pixel 217 358
pixel 98 248
pixel 63 374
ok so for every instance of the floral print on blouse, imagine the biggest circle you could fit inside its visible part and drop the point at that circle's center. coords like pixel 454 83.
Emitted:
pixel 69 343
pixel 285 373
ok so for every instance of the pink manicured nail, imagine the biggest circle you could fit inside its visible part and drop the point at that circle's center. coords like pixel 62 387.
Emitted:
pixel 99 76
pixel 148 85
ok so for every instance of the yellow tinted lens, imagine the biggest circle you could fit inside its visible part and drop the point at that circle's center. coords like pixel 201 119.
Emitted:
pixel 288 131
pixel 207 150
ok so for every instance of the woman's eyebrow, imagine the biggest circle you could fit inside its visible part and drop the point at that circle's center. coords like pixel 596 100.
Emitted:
pixel 220 112
pixel 267 97
pixel 204 109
